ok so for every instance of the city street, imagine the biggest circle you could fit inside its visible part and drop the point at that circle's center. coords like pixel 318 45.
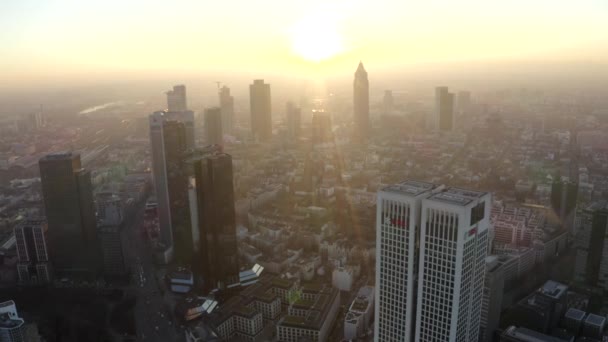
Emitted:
pixel 153 316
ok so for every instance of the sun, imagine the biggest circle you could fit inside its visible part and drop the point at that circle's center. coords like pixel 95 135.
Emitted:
pixel 316 38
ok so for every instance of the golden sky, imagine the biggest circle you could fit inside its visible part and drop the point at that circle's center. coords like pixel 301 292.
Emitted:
pixel 64 38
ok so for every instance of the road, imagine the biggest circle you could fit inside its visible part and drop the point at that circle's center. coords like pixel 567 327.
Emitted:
pixel 153 315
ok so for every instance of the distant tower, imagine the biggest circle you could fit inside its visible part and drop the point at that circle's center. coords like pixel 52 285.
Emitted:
pixel 261 116
pixel 227 108
pixel 321 127
pixel 388 103
pixel 217 222
pixel 32 252
pixel 361 104
pixel 213 126
pixel 294 120
pixel 176 99
pixel 444 108
pixel 591 235
pixel 70 212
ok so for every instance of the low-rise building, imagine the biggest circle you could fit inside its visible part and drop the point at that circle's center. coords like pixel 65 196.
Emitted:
pixel 358 318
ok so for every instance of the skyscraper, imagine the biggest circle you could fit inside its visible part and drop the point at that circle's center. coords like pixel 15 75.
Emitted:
pixel 430 262
pixel 591 263
pixel 227 108
pixel 213 126
pixel 293 117
pixel 361 103
pixel 70 212
pixel 176 99
pixel 564 196
pixel 321 127
pixel 12 327
pixel 444 108
pixel 453 246
pixel 397 235
pixel 261 116
pixel 32 252
pixel 159 172
pixel 388 102
pixel 491 305
pixel 217 223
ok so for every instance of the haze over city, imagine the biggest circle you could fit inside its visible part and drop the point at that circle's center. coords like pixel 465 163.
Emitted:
pixel 304 171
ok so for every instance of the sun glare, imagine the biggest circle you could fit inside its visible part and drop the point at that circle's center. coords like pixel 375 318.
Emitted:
pixel 316 38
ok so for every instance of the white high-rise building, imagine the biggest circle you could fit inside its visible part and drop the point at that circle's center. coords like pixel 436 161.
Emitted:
pixel 431 244
pixel 397 235
pixel 453 246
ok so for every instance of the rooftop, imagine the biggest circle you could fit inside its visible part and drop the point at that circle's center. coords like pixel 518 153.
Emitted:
pixel 457 196
pixel 410 188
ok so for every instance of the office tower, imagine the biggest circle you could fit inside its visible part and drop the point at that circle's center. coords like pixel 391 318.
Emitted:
pixel 109 209
pixel 187 118
pixel 453 246
pixel 388 102
pixel 444 108
pixel 591 263
pixel 215 202
pixel 321 127
pixel 175 145
pixel 109 228
pixel 463 100
pixel 294 120
pixel 12 327
pixel 564 195
pixel 261 117
pixel 397 234
pixel 213 126
pixel 227 108
pixel 159 172
pixel 361 104
pixel 33 266
pixel 70 212
pixel 176 99
pixel 491 305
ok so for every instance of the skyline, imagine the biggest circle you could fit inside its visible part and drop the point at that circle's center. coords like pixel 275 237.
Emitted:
pixel 66 41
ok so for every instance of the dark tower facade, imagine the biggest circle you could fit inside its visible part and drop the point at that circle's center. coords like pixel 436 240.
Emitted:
pixel 361 104
pixel 261 117
pixel 217 223
pixel 227 108
pixel 213 126
pixel 68 201
pixel 175 139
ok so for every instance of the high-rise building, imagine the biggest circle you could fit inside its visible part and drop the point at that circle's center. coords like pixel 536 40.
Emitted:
pixel 187 118
pixel 444 108
pixel 12 327
pixel 463 100
pixel 591 263
pixel 453 246
pixel 361 104
pixel 217 223
pixel 321 127
pixel 159 172
pixel 213 126
pixel 388 102
pixel 261 112
pixel 33 266
pixel 397 236
pixel 109 209
pixel 491 306
pixel 227 108
pixel 70 212
pixel 294 120
pixel 564 196
pixel 176 99
pixel 109 229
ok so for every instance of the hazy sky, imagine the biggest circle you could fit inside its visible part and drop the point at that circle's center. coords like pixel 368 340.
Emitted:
pixel 46 39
